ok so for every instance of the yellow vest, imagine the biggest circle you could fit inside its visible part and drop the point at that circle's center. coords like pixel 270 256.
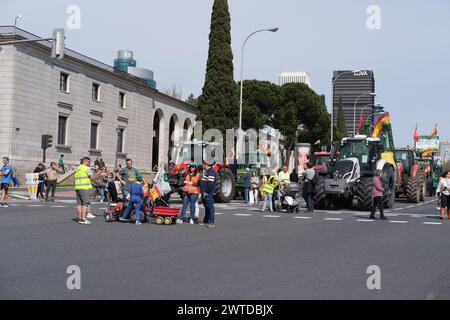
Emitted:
pixel 268 187
pixel 284 177
pixel 82 180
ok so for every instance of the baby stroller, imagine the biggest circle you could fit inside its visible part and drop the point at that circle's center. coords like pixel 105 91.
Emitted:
pixel 290 197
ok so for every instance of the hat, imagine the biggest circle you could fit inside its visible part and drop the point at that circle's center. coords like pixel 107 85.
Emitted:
pixel 193 165
pixel 139 177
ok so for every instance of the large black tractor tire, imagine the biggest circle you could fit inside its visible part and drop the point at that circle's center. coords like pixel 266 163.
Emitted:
pixel 225 186
pixel 364 193
pixel 320 198
pixel 142 217
pixel 389 185
pixel 423 186
pixel 413 189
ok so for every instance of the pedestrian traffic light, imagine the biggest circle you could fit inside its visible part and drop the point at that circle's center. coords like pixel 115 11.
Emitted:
pixel 47 142
pixel 58 43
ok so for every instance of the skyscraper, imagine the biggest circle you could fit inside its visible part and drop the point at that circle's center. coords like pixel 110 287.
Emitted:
pixel 295 77
pixel 349 87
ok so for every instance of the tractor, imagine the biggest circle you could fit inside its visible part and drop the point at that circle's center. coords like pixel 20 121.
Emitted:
pixel 432 168
pixel 351 176
pixel 412 179
pixel 320 161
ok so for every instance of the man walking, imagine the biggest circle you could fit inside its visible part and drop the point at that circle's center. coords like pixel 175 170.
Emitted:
pixel 6 173
pixel 208 187
pixel 61 164
pixel 83 190
pixel 127 177
pixel 52 181
pixel 247 184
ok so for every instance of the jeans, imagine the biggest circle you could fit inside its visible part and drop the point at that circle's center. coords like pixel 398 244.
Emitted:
pixel 275 198
pixel 189 200
pixel 310 201
pixel 51 187
pixel 101 192
pixel 210 213
pixel 40 190
pixel 268 201
pixel 377 203
pixel 246 194
pixel 133 201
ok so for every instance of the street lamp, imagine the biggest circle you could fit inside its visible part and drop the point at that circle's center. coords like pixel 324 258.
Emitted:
pixel 332 99
pixel 242 70
pixel 373 94
pixel 19 17
pixel 377 105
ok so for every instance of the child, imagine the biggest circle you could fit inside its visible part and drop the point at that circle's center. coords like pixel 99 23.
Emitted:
pixel 135 198
pixel 268 190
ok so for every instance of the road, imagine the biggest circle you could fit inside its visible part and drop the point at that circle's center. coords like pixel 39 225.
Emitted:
pixel 250 255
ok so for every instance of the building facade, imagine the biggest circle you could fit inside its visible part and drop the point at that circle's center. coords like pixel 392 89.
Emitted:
pixel 349 86
pixel 294 77
pixel 90 109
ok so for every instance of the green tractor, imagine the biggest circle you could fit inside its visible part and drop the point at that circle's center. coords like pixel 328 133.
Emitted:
pixel 432 169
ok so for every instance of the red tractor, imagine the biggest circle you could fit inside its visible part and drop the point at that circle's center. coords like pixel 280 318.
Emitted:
pixel 320 162
pixel 412 178
pixel 196 151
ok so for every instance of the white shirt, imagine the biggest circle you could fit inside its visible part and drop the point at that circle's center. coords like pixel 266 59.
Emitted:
pixel 444 187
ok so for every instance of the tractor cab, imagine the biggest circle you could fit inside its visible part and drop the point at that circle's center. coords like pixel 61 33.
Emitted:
pixel 366 150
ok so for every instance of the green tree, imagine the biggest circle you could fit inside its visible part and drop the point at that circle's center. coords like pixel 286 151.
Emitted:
pixel 302 116
pixel 218 105
pixel 341 131
pixel 192 100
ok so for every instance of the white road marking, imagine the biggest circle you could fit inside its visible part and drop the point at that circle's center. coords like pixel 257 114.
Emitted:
pixel 333 219
pixel 35 205
pixel 398 209
pixel 61 207
pixel 365 220
pixel 433 223
pixel 270 216
pixel 333 212
pixel 219 213
pixel 242 214
pixel 305 218
pixel 410 207
pixel 394 221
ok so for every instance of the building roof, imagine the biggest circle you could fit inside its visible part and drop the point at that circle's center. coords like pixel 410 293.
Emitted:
pixel 14 33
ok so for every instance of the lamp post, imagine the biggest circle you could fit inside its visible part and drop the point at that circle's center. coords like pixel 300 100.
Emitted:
pixel 332 100
pixel 378 105
pixel 242 70
pixel 19 17
pixel 373 94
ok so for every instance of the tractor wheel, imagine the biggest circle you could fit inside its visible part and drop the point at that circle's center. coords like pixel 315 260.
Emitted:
pixel 320 198
pixel 225 186
pixel 364 193
pixel 423 186
pixel 159 220
pixel 388 177
pixel 413 189
pixel 141 217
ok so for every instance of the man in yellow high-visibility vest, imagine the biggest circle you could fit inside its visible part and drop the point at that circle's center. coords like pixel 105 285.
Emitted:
pixel 83 190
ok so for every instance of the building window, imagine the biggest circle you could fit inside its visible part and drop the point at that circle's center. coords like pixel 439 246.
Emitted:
pixel 64 82
pixel 95 92
pixel 120 136
pixel 122 100
pixel 94 136
pixel 62 130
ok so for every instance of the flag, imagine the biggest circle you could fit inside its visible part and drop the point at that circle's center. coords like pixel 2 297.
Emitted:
pixel 361 122
pixel 416 135
pixel 317 142
pixel 160 185
pixel 434 133
pixel 378 129
pixel 428 153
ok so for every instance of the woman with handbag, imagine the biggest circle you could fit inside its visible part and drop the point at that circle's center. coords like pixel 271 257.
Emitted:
pixel 443 191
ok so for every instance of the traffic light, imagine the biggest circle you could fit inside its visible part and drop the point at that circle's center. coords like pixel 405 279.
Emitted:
pixel 59 38
pixel 47 142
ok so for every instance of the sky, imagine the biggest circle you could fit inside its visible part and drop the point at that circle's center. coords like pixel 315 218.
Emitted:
pixel 409 52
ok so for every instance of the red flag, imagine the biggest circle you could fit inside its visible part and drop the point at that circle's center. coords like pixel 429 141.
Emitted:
pixel 361 122
pixel 416 135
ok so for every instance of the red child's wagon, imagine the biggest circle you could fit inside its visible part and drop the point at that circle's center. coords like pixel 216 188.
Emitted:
pixel 165 215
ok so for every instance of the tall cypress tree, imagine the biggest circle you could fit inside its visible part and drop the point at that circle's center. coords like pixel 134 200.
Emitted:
pixel 341 130
pixel 218 105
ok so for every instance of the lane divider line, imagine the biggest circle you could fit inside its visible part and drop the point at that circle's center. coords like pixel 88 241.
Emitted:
pixel 333 219
pixel 400 222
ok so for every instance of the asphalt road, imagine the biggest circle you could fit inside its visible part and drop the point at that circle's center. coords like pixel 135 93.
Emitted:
pixel 249 255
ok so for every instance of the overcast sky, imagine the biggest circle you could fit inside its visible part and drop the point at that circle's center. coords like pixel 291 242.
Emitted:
pixel 410 54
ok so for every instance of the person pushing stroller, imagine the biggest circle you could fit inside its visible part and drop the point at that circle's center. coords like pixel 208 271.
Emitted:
pixel 135 199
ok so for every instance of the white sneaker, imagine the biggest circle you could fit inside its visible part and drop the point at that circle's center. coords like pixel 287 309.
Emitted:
pixel 90 216
pixel 179 221
pixel 138 223
pixel 85 222
pixel 5 205
pixel 192 221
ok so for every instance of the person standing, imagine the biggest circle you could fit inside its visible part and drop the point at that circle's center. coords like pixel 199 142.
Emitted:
pixel 101 164
pixel 100 181
pixel 294 176
pixel 246 178
pixel 191 193
pixel 6 173
pixel 40 190
pixel 268 189
pixel 443 192
pixel 135 196
pixel 208 187
pixel 83 190
pixel 61 164
pixel 52 181
pixel 309 186
pixel 254 188
pixel 127 177
pixel 377 196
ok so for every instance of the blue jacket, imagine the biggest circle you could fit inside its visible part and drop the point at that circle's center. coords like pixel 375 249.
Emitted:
pixel 136 191
pixel 208 184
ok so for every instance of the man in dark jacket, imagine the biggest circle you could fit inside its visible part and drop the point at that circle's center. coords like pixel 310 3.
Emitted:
pixel 208 187
pixel 246 179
